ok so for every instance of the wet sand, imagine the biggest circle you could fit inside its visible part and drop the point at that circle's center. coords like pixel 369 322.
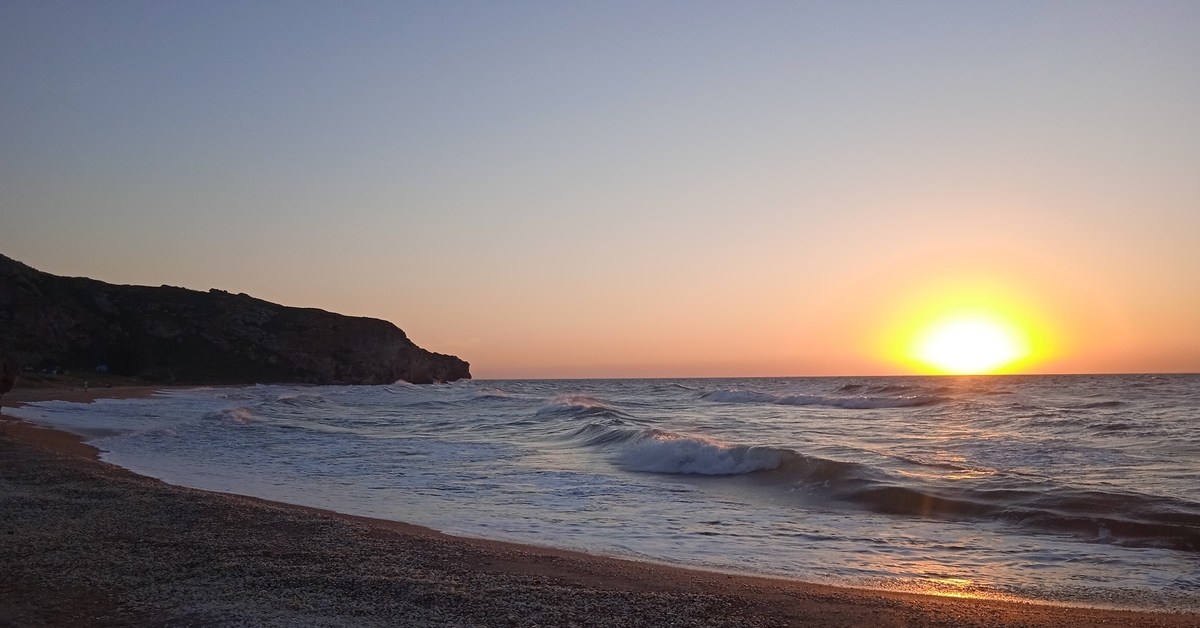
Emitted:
pixel 84 543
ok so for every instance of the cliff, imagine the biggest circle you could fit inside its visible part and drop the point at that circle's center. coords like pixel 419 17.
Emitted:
pixel 170 334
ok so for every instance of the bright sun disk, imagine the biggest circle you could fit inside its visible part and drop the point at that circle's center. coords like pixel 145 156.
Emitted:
pixel 970 345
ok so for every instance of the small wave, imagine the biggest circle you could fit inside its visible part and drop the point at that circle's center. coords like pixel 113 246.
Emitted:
pixel 1111 427
pixel 576 404
pixel 300 399
pixel 849 403
pixel 892 388
pixel 859 403
pixel 490 394
pixel 949 465
pixel 739 396
pixel 1125 519
pixel 885 389
pixel 1102 404
pixel 902 500
pixel 605 434
pixel 237 415
pixel 667 386
pixel 664 452
pixel 651 450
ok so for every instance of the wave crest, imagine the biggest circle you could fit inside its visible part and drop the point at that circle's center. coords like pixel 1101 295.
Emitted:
pixel 666 452
pixel 849 403
pixel 650 450
pixel 576 404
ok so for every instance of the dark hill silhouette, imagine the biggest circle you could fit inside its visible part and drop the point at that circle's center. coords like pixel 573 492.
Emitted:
pixel 170 334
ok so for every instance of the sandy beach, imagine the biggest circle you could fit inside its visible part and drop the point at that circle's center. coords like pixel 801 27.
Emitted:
pixel 85 543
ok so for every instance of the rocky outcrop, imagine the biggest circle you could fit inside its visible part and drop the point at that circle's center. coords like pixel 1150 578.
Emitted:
pixel 170 334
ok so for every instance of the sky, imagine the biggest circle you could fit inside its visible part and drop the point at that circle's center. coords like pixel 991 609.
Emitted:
pixel 643 189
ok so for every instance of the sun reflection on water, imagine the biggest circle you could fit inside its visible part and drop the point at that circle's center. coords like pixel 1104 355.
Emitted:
pixel 932 578
pixel 950 587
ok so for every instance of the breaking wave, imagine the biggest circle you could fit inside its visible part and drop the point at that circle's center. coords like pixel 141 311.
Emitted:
pixel 651 450
pixel 1120 518
pixel 655 451
pixel 237 415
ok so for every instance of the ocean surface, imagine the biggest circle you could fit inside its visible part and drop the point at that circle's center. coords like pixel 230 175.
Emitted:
pixel 1075 489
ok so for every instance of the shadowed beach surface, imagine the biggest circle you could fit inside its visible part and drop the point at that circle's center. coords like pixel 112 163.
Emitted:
pixel 85 543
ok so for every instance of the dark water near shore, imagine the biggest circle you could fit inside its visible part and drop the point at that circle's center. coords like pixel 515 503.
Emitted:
pixel 1081 489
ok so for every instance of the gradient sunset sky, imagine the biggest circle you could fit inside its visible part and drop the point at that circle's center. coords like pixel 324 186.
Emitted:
pixel 609 189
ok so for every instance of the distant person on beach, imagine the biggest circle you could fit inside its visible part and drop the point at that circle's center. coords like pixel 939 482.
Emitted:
pixel 8 377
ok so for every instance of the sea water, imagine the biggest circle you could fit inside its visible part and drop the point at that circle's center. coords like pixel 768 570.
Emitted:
pixel 1073 489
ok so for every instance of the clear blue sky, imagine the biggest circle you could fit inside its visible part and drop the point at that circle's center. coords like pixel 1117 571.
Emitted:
pixel 612 188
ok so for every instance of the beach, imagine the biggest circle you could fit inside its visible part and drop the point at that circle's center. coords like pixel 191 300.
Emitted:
pixel 88 543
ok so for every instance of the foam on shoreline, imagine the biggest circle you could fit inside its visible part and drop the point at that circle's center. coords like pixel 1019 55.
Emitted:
pixel 853 598
pixel 163 517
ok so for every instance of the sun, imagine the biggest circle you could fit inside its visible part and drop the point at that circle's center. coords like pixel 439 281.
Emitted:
pixel 965 323
pixel 974 343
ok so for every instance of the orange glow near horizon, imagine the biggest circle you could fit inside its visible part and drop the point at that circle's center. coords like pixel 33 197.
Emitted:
pixel 972 328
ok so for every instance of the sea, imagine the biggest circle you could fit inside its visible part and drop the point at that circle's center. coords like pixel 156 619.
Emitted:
pixel 1080 490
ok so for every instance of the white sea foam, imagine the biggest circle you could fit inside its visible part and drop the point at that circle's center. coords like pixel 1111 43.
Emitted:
pixel 239 415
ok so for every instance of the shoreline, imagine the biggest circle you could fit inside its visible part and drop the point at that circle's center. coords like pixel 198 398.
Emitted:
pixel 520 584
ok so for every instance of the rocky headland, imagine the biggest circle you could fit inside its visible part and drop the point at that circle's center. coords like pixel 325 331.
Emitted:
pixel 176 335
